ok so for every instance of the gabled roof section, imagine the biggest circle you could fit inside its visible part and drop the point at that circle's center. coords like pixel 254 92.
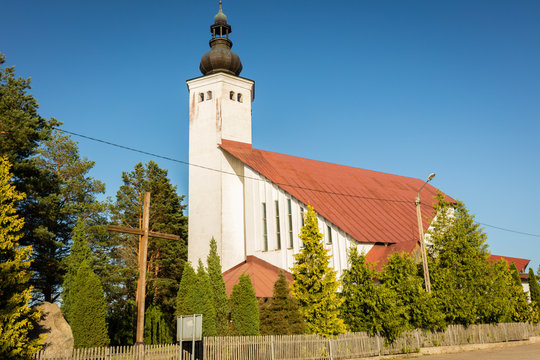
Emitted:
pixel 521 264
pixel 368 205
pixel 263 276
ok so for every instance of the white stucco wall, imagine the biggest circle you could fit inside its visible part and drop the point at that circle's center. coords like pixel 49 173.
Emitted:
pixel 216 197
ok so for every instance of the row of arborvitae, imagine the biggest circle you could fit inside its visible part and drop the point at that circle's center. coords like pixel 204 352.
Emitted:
pixel 467 288
pixel 203 292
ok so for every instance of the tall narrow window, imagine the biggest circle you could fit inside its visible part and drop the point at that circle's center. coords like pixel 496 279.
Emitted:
pixel 289 209
pixel 209 95
pixel 303 223
pixel 329 231
pixel 239 98
pixel 201 97
pixel 265 228
pixel 231 95
pixel 278 232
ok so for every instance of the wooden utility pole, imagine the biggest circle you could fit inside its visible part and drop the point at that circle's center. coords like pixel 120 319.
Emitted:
pixel 422 244
pixel 144 232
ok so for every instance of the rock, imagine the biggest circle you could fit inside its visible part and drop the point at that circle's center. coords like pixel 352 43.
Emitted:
pixel 55 329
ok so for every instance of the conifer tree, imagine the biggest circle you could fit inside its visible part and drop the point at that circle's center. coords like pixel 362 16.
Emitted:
pixel 534 288
pixel 195 296
pixel 185 304
pixel 500 304
pixel 515 274
pixel 401 276
pixel 22 131
pixel 156 329
pixel 166 257
pixel 368 306
pixel 221 302
pixel 315 284
pixel 244 308
pixel 459 267
pixel 280 316
pixel 88 309
pixel 521 310
pixel 205 301
pixel 16 317
pixel 79 252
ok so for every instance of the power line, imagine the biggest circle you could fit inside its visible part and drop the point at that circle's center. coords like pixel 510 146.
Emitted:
pixel 258 179
pixel 496 227
pixel 226 172
pixel 509 230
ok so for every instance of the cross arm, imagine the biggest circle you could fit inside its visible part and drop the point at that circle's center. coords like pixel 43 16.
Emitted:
pixel 133 231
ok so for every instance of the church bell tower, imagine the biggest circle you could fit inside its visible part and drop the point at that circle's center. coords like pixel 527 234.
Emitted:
pixel 219 108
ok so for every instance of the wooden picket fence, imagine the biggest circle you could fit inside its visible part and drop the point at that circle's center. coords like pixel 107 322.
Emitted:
pixel 145 352
pixel 357 345
pixel 308 347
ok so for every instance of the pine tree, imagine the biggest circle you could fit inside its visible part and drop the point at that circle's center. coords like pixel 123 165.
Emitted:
pixel 22 131
pixel 281 316
pixel 534 288
pixel 166 257
pixel 74 198
pixel 16 317
pixel 244 308
pixel 156 329
pixel 315 284
pixel 221 302
pixel 185 304
pixel 79 252
pixel 368 306
pixel 88 309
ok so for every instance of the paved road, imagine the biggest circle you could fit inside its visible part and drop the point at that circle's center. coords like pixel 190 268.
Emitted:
pixel 521 352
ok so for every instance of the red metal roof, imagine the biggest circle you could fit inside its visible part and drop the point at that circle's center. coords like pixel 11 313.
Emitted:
pixel 378 255
pixel 263 276
pixel 368 205
pixel 521 264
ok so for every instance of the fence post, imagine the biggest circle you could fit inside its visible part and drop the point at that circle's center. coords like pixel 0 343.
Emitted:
pixel 330 349
pixel 378 344
pixel 273 349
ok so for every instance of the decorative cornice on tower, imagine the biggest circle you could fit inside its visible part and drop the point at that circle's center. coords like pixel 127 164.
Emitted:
pixel 220 58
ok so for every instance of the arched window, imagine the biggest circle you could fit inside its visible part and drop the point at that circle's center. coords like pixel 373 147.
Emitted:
pixel 240 98
pixel 209 95
pixel 201 97
pixel 231 95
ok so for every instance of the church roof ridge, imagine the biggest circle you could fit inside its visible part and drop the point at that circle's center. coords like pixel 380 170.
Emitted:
pixel 227 143
pixel 369 206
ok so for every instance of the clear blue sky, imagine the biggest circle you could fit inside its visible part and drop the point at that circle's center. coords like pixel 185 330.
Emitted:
pixel 405 87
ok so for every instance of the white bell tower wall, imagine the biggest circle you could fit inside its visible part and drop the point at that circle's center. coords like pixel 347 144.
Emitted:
pixel 220 108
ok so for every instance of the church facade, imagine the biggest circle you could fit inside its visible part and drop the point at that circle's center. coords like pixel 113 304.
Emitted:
pixel 251 201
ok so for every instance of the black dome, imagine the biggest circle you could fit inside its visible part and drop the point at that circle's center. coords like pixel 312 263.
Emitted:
pixel 220 58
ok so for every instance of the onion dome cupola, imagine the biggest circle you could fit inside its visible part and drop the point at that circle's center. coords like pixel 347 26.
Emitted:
pixel 220 58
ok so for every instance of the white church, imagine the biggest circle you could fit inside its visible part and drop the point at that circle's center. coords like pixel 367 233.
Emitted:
pixel 251 201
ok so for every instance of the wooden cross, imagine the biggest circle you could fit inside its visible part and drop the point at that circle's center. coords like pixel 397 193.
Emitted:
pixel 144 232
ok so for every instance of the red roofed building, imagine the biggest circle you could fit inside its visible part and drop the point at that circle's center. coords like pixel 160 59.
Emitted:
pixel 251 201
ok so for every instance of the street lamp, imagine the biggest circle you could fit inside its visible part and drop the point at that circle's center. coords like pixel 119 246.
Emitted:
pixel 421 232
